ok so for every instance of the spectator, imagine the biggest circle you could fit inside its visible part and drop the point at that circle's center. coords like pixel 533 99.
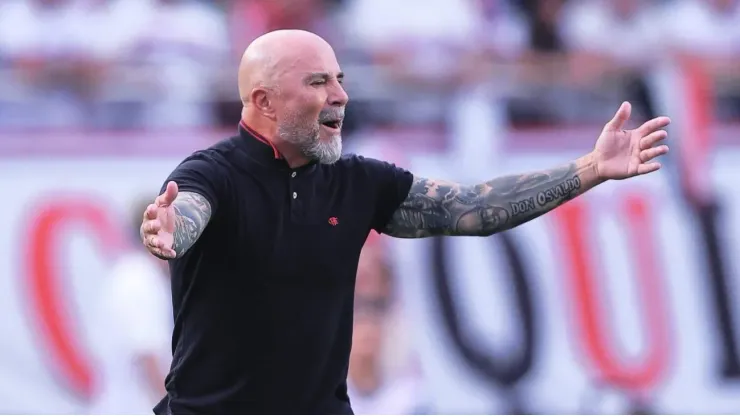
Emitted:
pixel 708 32
pixel 543 28
pixel 710 28
pixel 375 386
pixel 55 66
pixel 613 40
pixel 183 47
pixel 133 332
pixel 249 19
pixel 616 34
pixel 504 29
pixel 421 56
pixel 118 99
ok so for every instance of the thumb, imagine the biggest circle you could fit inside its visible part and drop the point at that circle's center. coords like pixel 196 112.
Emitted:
pixel 622 115
pixel 168 196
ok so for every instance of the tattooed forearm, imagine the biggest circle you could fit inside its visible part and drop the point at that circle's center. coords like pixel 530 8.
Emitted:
pixel 192 213
pixel 446 208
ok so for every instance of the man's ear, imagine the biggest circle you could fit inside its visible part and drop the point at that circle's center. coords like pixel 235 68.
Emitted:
pixel 262 100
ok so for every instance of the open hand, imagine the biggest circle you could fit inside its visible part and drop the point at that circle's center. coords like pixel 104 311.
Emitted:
pixel 621 154
pixel 158 225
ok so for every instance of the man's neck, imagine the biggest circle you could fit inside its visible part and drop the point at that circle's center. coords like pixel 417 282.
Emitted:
pixel 292 155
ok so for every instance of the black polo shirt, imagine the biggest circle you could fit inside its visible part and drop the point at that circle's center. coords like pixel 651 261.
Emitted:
pixel 263 301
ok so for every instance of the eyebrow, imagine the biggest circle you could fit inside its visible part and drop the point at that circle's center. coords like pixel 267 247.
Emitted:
pixel 324 75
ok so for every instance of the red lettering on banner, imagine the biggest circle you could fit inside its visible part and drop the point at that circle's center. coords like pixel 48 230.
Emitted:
pixel 696 141
pixel 593 328
pixel 52 313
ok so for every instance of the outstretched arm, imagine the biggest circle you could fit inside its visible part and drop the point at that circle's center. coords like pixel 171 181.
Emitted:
pixel 446 208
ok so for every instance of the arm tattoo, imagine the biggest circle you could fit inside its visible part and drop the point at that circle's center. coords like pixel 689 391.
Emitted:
pixel 192 213
pixel 446 208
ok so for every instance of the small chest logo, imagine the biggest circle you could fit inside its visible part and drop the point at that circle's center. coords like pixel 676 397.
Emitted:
pixel 333 221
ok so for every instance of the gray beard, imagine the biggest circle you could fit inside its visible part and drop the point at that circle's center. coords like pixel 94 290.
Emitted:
pixel 323 152
pixel 311 146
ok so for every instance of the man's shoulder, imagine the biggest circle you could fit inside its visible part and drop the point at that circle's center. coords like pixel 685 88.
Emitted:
pixel 358 164
pixel 353 160
pixel 212 157
pixel 349 160
pixel 219 149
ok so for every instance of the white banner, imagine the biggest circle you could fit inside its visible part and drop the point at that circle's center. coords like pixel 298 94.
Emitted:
pixel 606 305
pixel 609 304
pixel 65 220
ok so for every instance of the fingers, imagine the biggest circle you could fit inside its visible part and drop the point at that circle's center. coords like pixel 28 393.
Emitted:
pixel 150 212
pixel 621 117
pixel 153 242
pixel 649 154
pixel 653 125
pixel 651 139
pixel 163 254
pixel 168 196
pixel 171 191
pixel 151 227
pixel 644 168
pixel 158 247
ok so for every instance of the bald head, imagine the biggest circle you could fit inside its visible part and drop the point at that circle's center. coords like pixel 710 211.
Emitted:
pixel 291 87
pixel 273 54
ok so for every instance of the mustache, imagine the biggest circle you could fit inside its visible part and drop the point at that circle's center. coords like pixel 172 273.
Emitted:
pixel 331 115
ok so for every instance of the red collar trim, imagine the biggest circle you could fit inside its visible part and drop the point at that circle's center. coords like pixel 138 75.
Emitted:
pixel 261 138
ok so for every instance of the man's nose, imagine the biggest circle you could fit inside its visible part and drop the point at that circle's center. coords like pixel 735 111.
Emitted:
pixel 338 97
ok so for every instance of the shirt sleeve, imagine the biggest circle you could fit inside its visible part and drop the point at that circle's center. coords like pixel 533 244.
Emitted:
pixel 392 185
pixel 200 174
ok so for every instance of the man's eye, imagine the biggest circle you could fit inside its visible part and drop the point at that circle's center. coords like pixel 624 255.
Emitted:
pixel 318 82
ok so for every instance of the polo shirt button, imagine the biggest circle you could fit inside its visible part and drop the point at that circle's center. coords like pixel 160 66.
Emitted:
pixel 292 175
pixel 295 195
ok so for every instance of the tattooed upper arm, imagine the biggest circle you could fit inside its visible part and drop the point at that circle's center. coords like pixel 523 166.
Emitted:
pixel 192 211
pixel 435 207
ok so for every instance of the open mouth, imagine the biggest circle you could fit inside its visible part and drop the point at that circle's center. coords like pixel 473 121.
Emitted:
pixel 332 124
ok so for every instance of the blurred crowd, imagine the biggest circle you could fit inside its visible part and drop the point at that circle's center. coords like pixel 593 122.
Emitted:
pixel 171 63
pixel 150 64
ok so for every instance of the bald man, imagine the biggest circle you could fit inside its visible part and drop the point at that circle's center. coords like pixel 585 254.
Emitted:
pixel 264 230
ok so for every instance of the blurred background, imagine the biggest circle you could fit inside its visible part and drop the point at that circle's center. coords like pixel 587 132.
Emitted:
pixel 618 302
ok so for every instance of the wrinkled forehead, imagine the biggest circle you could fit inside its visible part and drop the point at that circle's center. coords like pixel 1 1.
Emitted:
pixel 301 63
